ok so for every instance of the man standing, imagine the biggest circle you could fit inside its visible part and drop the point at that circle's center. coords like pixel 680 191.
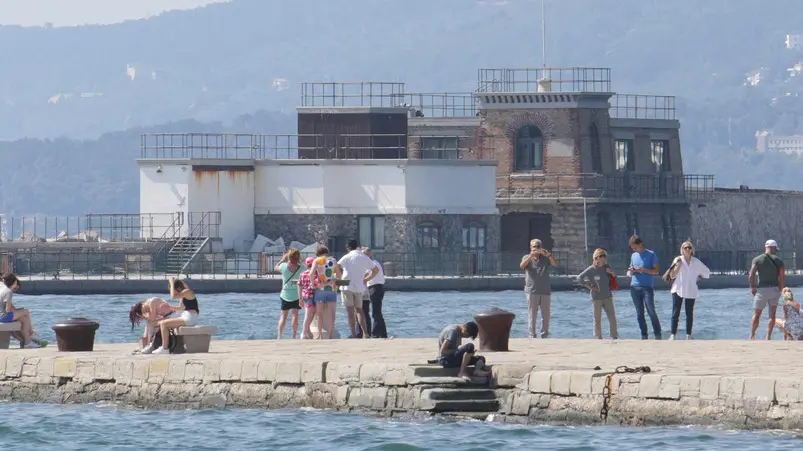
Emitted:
pixel 769 268
pixel 358 269
pixel 643 268
pixel 537 266
pixel 373 305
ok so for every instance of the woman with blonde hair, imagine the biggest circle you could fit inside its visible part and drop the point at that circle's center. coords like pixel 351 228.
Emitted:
pixel 597 279
pixel 685 271
pixel 792 324
pixel 290 268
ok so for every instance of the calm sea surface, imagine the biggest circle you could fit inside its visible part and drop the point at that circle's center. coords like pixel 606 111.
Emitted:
pixel 93 427
pixel 719 314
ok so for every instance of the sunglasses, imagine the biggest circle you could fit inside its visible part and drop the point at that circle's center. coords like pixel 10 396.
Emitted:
pixel 601 256
pixel 687 248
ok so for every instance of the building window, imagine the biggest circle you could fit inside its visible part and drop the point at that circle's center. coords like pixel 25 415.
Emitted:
pixel 596 150
pixel 529 149
pixel 440 148
pixel 428 235
pixel 371 230
pixel 659 153
pixel 604 225
pixel 625 158
pixel 474 236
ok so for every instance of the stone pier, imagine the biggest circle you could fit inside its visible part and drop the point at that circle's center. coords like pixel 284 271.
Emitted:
pixel 733 383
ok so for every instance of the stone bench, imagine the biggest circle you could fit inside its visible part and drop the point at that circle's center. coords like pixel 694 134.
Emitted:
pixel 5 333
pixel 194 339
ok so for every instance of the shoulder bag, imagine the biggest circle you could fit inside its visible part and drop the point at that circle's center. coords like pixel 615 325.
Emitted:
pixel 670 274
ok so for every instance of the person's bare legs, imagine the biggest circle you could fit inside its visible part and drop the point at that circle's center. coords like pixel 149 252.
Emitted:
pixel 282 321
pixel 165 325
pixel 309 315
pixel 332 306
pixel 320 312
pixel 463 374
pixel 754 322
pixel 779 323
pixel 771 323
pixel 350 318
pixel 294 312
pixel 361 319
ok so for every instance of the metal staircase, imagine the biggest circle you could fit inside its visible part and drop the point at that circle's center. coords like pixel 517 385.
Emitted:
pixel 183 252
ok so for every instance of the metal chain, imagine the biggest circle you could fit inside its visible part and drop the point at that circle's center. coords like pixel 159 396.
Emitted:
pixel 608 388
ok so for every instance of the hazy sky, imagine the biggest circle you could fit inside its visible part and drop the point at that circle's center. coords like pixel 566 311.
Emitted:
pixel 80 12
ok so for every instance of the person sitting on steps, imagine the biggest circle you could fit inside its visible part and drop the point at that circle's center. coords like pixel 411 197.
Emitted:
pixel 8 313
pixel 452 355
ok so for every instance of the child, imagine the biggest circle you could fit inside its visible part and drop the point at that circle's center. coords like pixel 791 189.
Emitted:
pixel 307 292
pixel 792 324
pixel 452 355
pixel 597 280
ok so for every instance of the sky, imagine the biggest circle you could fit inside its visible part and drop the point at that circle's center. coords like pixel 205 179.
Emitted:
pixel 81 12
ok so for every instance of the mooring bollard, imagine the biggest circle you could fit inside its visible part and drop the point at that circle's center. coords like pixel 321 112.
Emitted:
pixel 75 334
pixel 494 329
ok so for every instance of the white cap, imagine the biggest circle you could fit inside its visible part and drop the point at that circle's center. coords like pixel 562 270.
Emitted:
pixel 771 243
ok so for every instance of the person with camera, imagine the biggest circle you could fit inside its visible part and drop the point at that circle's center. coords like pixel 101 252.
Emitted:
pixel 537 266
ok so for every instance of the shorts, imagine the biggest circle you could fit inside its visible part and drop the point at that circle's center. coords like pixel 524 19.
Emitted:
pixel 766 295
pixel 7 317
pixel 290 305
pixel 454 360
pixel 324 296
pixel 309 303
pixel 190 317
pixel 351 298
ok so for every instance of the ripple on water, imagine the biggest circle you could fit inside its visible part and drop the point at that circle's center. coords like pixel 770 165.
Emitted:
pixel 105 427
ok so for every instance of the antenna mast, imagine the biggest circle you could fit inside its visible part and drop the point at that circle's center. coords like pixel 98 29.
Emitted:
pixel 543 33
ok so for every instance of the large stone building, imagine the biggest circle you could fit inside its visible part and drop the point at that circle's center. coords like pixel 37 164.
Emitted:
pixel 551 153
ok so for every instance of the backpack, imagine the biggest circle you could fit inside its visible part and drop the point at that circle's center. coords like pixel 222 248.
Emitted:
pixel 172 340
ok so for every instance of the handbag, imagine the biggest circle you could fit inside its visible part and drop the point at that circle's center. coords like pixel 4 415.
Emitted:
pixel 613 282
pixel 669 276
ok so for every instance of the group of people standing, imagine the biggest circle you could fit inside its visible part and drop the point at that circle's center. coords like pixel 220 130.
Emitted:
pixel 360 279
pixel 766 278
pixel 600 279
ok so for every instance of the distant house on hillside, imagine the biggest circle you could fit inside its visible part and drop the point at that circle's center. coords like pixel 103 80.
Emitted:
pixel 767 142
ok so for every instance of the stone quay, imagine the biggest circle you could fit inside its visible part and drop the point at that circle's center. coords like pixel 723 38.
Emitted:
pixel 732 383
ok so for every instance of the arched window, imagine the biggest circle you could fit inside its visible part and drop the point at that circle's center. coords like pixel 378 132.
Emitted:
pixel 474 236
pixel 428 235
pixel 529 149
pixel 596 151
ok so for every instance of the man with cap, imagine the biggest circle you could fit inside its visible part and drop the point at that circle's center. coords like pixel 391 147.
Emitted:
pixel 768 286
pixel 537 266
pixel 452 355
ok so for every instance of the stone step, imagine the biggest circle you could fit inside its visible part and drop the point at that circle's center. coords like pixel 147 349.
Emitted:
pixel 458 394
pixel 435 371
pixel 466 405
pixel 455 381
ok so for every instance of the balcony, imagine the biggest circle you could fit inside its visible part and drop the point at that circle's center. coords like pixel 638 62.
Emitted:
pixel 621 187
pixel 546 79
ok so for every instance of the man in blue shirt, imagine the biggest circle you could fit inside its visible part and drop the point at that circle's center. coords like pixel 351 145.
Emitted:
pixel 643 268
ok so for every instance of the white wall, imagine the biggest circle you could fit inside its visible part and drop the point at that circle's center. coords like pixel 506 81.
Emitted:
pixel 465 189
pixel 163 192
pixel 231 192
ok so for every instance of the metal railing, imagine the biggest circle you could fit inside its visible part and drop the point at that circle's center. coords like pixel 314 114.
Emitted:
pixel 350 94
pixel 271 147
pixel 638 106
pixel 123 227
pixel 204 224
pixel 451 147
pixel 604 186
pixel 546 79
pixel 439 104
pixel 119 264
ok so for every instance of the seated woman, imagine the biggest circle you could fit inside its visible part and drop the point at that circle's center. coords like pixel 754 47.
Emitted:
pixel 188 306
pixel 152 311
pixel 792 324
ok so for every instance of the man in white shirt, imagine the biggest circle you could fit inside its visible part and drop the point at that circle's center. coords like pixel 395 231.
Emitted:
pixel 372 306
pixel 358 269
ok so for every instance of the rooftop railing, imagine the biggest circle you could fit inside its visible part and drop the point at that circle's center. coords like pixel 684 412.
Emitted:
pixel 623 186
pixel 92 228
pixel 350 94
pixel 638 106
pixel 547 79
pixel 439 104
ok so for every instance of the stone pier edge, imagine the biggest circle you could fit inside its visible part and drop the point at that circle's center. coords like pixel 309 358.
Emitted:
pixel 525 394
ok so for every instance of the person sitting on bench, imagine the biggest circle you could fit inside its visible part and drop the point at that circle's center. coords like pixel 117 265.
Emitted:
pixel 151 311
pixel 187 310
pixel 8 314
pixel 452 355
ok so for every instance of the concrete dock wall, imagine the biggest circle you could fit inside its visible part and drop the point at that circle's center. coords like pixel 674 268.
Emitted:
pixel 266 285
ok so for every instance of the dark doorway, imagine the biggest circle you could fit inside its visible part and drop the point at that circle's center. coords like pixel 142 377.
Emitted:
pixel 517 231
pixel 541 228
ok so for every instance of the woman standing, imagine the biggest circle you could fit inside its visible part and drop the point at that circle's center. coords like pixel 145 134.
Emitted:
pixel 686 270
pixel 597 279
pixel 325 271
pixel 290 268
